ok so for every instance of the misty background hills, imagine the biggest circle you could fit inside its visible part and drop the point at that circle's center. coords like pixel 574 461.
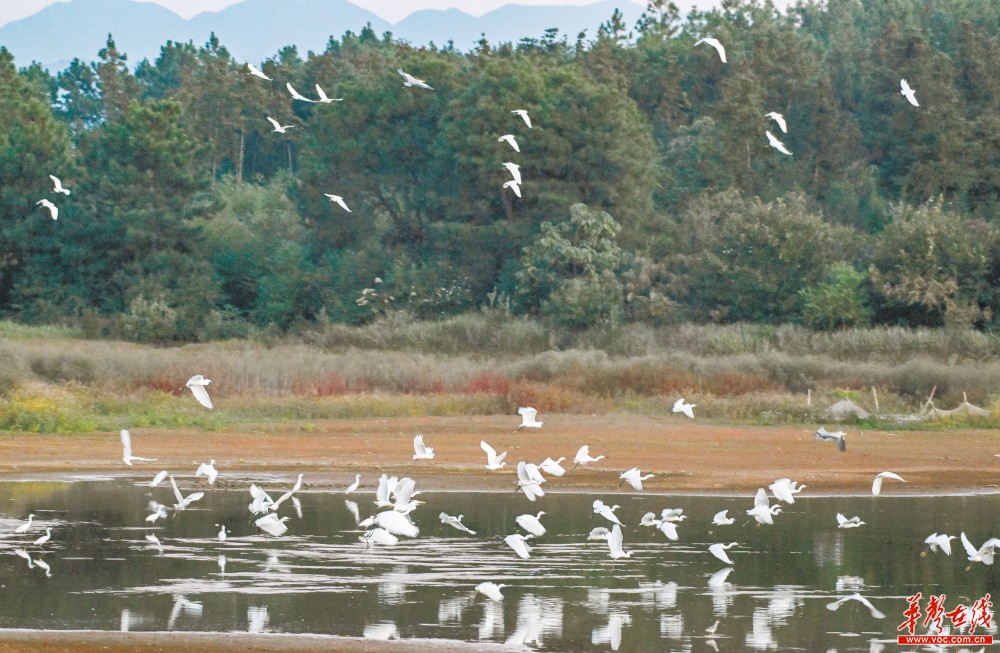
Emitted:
pixel 254 30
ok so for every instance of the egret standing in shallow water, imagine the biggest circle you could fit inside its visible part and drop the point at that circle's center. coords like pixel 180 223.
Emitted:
pixel 48 535
pixel 23 528
pixel 353 486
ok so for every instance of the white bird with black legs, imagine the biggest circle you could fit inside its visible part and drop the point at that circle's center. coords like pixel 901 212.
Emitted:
pixel 877 483
pixel 23 528
pixel 908 93
pixel 608 512
pixel 681 406
pixel 983 554
pixel 531 523
pixel 57 186
pixel 615 544
pixel 410 80
pixel 844 522
pixel 583 457
pixel 324 98
pixel 127 456
pixel 510 140
pixel 337 199
pixel 715 44
pixel 778 118
pixel 528 421
pixel 378 536
pixel 519 543
pixel 208 470
pixel 634 478
pixel 837 437
pixel 490 590
pixel 296 95
pixel 353 486
pixel 775 143
pixel 420 450
pixel 524 116
pixel 257 72
pixel 514 170
pixel 278 127
pixel 860 599
pixel 198 385
pixel 183 501
pixel 552 467
pixel 514 186
pixel 938 540
pixel 493 461
pixel 53 209
pixel 455 522
pixel 719 551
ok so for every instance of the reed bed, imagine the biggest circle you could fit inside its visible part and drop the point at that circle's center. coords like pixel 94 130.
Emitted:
pixel 53 380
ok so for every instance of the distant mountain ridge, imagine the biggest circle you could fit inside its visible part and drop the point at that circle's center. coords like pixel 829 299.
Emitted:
pixel 254 30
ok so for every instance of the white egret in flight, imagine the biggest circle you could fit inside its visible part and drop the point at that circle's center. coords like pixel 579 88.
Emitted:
pixel 552 467
pixel 778 118
pixel 715 44
pixel 197 384
pixel 519 543
pixel 278 127
pixel 524 116
pixel 615 541
pixel 634 478
pixel 877 483
pixel 719 551
pixel 57 186
pixel 531 523
pixel 528 420
pixel 339 200
pixel 490 590
pixel 53 209
pixel 509 138
pixel 456 522
pixel 844 522
pixel 127 456
pixel 208 469
pixel 257 72
pixel 324 98
pixel 908 93
pixel 296 95
pixel 513 185
pixel 776 144
pixel 680 406
pixel 410 80
pixel 420 450
pixel 493 461
pixel 860 599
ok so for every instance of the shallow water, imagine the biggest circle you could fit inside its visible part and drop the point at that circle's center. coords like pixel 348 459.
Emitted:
pixel 570 596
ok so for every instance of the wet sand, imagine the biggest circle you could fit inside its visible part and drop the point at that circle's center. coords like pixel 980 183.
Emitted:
pixel 686 456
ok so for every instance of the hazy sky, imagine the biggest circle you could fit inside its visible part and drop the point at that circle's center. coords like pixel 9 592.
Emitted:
pixel 390 10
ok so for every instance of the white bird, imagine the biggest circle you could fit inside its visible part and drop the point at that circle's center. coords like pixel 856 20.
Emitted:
pixel 983 554
pixel 844 522
pixel 514 186
pixel 776 144
pixel 352 508
pixel 762 510
pixel 490 590
pixel 552 467
pixel 386 485
pixel 197 385
pixel 860 599
pixel 719 551
pixel 721 518
pixel 531 523
pixel 778 118
pixel 715 44
pixel 456 522
pixel 53 209
pixel 530 484
pixel 278 127
pixel 48 535
pixel 378 536
pixel 159 511
pixel 599 533
pixel 785 489
pixel 524 116
pixel 272 525
pixel 528 420
pixel 287 495
pixel 222 532
pixel 493 461
pixel 607 512
pixel 935 540
pixel 23 528
pixel 822 435
pixel 403 494
pixel 296 95
pixel 208 469
pixel 681 407
pixel 57 185
pixel 515 171
pixel 410 80
pixel 510 140
pixel 257 72
pixel 152 539
pixel 182 501
pixel 396 523
pixel 634 478
pixel 127 456
pixel 421 451
pixel 615 541
pixel 908 93
pixel 159 478
pixel 339 200
pixel 669 529
pixel 324 98
pixel 583 457
pixel 519 543
pixel 877 483
pixel 353 486
pixel 673 514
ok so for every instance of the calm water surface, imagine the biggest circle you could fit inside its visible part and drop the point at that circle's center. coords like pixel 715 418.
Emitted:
pixel 570 596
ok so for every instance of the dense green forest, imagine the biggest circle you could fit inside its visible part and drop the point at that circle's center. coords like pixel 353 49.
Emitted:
pixel 650 192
